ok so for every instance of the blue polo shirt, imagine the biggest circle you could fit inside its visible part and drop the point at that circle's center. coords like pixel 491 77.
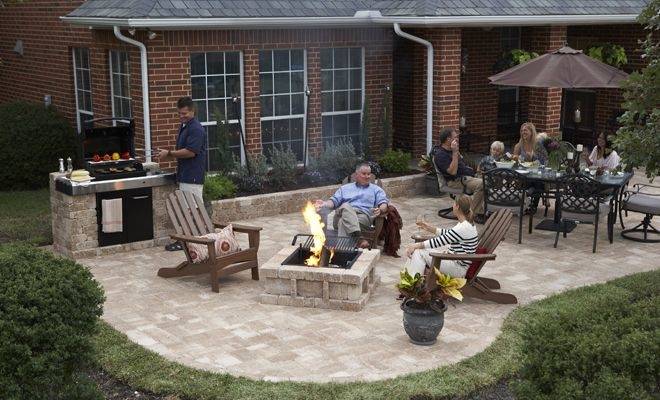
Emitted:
pixel 192 136
pixel 364 198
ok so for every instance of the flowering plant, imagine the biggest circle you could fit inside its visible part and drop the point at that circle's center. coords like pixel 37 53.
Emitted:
pixel 425 163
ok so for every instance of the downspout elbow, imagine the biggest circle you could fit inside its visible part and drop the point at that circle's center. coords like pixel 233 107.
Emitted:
pixel 145 89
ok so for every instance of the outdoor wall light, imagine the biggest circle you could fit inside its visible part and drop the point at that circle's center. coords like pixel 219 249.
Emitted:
pixel 577 115
pixel 152 35
pixel 462 122
pixel 308 91
pixel 132 31
pixel 18 47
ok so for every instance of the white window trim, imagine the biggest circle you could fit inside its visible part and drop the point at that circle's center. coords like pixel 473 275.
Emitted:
pixel 75 85
pixel 112 89
pixel 362 88
pixel 242 97
pixel 290 116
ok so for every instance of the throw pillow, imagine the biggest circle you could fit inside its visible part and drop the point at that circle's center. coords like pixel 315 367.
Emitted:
pixel 225 243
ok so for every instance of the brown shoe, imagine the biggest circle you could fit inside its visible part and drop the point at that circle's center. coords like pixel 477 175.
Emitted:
pixel 363 244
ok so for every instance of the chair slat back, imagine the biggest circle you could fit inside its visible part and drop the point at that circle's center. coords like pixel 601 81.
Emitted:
pixel 495 229
pixel 503 187
pixel 188 214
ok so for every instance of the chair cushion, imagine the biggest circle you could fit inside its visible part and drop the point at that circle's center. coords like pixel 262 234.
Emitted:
pixel 643 203
pixel 225 243
pixel 476 264
pixel 573 216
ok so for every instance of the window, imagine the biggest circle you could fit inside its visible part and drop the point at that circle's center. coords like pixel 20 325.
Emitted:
pixel 342 89
pixel 83 86
pixel 120 87
pixel 507 104
pixel 215 78
pixel 282 82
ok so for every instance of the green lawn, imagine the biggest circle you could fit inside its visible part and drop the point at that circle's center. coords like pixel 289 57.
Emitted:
pixel 25 216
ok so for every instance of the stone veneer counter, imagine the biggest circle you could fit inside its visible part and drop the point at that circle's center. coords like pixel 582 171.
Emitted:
pixel 74 217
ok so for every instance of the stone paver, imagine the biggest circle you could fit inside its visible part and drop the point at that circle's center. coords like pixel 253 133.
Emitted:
pixel 232 332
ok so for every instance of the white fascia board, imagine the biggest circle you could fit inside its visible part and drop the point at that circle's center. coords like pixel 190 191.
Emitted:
pixel 316 22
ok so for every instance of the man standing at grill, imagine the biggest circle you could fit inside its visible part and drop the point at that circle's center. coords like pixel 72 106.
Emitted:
pixel 190 153
pixel 356 204
pixel 458 175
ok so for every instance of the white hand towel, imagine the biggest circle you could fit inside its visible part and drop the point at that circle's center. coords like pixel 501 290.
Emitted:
pixel 112 219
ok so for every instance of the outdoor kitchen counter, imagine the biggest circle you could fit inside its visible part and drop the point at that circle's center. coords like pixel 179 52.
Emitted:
pixel 76 214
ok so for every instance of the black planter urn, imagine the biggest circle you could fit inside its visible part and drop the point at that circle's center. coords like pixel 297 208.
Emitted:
pixel 421 322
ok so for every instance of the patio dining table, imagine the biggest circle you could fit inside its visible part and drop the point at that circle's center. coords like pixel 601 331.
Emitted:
pixel 615 182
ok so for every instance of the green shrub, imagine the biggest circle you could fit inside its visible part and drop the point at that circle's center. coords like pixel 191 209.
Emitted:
pixel 32 138
pixel 222 158
pixel 395 161
pixel 251 179
pixel 336 162
pixel 603 347
pixel 49 308
pixel 218 187
pixel 284 165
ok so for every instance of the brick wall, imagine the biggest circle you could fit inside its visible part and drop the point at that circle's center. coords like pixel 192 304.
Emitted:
pixel 169 74
pixel 410 87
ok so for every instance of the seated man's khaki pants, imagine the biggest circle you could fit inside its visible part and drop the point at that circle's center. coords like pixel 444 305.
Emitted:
pixel 474 186
pixel 349 221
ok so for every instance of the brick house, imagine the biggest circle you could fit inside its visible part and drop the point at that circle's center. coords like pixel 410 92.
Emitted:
pixel 301 71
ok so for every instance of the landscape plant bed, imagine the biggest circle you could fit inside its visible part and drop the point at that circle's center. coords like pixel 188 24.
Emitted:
pixel 304 184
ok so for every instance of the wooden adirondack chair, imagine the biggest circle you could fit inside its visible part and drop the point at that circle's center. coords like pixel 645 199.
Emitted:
pixel 482 288
pixel 190 219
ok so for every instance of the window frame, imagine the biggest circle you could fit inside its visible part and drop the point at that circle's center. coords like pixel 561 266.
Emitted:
pixel 79 109
pixel 207 99
pixel 362 88
pixel 289 93
pixel 112 87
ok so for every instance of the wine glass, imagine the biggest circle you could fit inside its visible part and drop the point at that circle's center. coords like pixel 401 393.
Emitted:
pixel 421 218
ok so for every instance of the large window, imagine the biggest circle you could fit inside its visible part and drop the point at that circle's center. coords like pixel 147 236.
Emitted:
pixel 216 80
pixel 508 96
pixel 120 88
pixel 342 83
pixel 282 82
pixel 83 85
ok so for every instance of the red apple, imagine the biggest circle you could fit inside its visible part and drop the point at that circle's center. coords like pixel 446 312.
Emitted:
pixel 125 155
pixel 96 158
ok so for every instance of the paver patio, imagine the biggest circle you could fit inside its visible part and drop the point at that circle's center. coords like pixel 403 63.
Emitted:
pixel 184 321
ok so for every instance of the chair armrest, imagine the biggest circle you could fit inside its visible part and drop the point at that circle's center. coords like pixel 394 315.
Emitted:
pixel 463 257
pixel 240 228
pixel 192 239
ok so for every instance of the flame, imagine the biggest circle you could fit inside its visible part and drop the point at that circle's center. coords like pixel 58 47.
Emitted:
pixel 313 219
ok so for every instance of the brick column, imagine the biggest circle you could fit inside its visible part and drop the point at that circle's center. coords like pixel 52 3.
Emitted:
pixel 544 104
pixel 251 100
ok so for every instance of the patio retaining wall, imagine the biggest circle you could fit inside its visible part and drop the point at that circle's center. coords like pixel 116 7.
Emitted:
pixel 267 205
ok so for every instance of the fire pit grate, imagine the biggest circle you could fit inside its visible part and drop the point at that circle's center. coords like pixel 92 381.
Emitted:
pixel 338 243
pixel 337 252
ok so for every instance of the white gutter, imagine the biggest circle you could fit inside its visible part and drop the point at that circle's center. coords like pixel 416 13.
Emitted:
pixel 429 82
pixel 361 18
pixel 145 90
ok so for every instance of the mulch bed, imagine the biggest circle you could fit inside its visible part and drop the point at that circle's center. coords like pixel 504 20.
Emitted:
pixel 114 389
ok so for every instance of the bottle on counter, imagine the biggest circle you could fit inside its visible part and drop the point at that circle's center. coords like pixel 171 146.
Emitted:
pixel 69 164
pixel 61 170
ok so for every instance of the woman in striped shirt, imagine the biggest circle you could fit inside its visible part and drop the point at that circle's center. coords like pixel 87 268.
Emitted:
pixel 461 239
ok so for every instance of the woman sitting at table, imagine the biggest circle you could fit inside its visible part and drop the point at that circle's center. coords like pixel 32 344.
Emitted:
pixel 529 148
pixel 461 239
pixel 603 156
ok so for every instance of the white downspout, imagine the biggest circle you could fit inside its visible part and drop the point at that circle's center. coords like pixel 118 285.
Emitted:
pixel 145 90
pixel 429 82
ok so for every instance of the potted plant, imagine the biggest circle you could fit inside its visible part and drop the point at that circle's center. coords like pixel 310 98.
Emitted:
pixel 425 302
pixel 430 181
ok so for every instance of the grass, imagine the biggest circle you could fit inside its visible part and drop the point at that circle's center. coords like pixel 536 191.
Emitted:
pixel 146 370
pixel 25 216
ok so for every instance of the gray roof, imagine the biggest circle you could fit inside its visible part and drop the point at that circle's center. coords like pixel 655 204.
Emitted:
pixel 346 8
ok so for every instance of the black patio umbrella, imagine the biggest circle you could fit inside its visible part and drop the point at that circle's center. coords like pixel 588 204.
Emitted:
pixel 563 68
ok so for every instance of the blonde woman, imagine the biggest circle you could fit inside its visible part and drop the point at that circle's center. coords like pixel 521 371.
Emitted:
pixel 461 239
pixel 528 147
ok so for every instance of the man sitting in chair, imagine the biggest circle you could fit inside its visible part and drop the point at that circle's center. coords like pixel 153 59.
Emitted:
pixel 356 204
pixel 458 175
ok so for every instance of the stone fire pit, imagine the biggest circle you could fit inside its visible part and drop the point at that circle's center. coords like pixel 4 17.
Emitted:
pixel 319 287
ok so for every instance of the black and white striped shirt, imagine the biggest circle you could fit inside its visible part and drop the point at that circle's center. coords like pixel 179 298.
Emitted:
pixel 462 239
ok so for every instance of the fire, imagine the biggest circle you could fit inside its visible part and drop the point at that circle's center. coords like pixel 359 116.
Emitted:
pixel 313 219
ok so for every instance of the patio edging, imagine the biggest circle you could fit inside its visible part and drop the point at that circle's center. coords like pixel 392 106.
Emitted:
pixel 270 204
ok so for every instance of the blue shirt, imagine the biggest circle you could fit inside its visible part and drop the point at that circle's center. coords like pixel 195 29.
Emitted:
pixel 363 198
pixel 192 136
